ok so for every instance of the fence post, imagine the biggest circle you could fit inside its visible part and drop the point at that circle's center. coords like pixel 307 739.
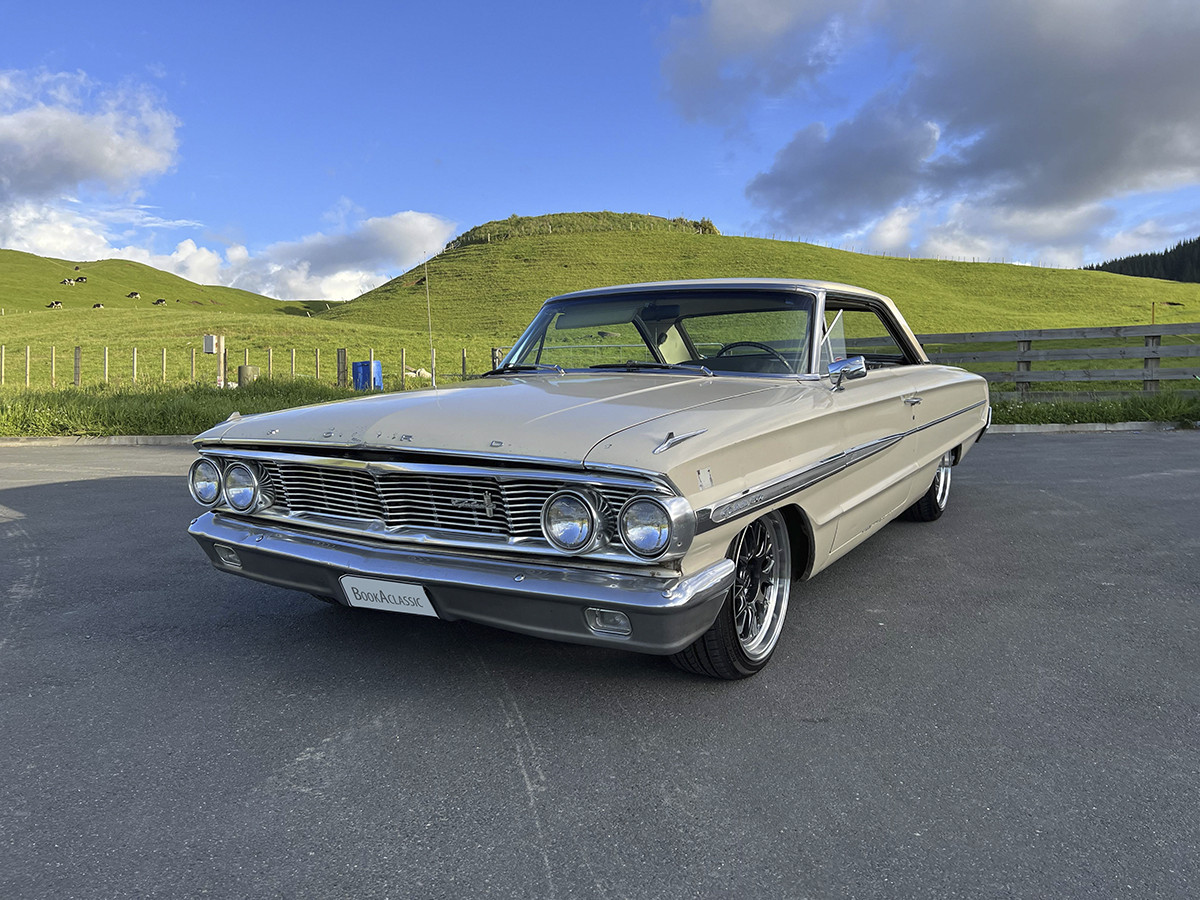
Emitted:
pixel 193 364
pixel 106 365
pixel 135 364
pixel 403 366
pixel 293 362
pixel 341 367
pixel 78 364
pixel 26 365
pixel 53 380
pixel 270 361
pixel 1024 365
pixel 246 357
pixel 220 360
pixel 1150 364
pixel 317 364
pixel 1 364
pixel 433 367
pixel 164 365
pixel 464 363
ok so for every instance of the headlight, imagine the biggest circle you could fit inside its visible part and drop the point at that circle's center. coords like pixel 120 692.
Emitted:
pixel 645 527
pixel 204 481
pixel 241 487
pixel 571 522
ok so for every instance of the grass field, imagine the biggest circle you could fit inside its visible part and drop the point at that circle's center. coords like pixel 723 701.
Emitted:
pixel 484 289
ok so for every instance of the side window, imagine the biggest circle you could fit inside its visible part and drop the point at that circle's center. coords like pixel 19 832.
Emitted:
pixel 862 332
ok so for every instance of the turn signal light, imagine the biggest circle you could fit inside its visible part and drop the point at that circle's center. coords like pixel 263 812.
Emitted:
pixel 607 621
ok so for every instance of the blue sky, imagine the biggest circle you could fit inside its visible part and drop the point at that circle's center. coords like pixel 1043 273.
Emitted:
pixel 314 152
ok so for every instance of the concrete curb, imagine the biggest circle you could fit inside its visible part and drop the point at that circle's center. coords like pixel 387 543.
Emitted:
pixel 185 440
pixel 1083 428
pixel 116 440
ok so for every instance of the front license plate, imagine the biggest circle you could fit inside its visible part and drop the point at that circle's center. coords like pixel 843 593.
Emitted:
pixel 395 596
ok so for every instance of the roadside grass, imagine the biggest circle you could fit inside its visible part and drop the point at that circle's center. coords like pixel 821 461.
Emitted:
pixel 102 410
pixel 1182 411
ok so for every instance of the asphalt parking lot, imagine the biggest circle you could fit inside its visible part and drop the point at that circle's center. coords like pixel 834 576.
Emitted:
pixel 1004 703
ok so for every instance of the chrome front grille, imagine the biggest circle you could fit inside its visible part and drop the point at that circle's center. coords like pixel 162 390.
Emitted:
pixel 329 491
pixel 503 505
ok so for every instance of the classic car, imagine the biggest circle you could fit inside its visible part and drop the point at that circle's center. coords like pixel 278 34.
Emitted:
pixel 651 467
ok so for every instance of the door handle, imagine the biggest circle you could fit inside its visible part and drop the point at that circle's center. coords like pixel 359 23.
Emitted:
pixel 912 401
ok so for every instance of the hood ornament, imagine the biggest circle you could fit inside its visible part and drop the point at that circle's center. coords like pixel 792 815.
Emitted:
pixel 672 439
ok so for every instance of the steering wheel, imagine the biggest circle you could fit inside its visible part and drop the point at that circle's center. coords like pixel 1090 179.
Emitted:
pixel 771 350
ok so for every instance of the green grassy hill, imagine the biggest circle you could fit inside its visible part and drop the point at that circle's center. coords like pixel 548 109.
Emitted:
pixel 29 283
pixel 494 287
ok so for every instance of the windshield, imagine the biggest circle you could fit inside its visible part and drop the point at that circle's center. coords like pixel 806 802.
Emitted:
pixel 747 333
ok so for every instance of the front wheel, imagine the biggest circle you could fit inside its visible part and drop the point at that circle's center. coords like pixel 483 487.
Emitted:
pixel 746 630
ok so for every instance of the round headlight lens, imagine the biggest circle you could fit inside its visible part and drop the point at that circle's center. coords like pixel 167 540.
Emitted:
pixel 645 527
pixel 241 487
pixel 569 521
pixel 205 482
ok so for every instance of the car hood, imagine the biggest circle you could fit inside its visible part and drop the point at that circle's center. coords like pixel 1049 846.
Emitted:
pixel 538 416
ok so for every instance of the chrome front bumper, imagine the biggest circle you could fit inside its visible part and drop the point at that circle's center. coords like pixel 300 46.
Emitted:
pixel 666 614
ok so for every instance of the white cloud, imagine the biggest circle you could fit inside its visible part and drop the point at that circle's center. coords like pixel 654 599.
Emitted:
pixel 339 266
pixel 1035 116
pixel 894 231
pixel 60 133
pixel 318 267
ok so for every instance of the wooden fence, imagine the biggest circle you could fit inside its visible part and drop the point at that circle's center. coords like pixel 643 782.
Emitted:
pixel 1164 353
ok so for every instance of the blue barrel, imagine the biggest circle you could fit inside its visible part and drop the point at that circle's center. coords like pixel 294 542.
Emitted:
pixel 368 375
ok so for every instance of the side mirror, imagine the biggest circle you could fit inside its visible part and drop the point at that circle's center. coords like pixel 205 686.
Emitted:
pixel 847 370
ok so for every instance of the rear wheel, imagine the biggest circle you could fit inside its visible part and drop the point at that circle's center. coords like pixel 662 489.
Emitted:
pixel 743 637
pixel 933 503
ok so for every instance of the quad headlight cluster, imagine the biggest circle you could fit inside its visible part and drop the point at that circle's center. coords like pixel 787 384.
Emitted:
pixel 649 527
pixel 239 485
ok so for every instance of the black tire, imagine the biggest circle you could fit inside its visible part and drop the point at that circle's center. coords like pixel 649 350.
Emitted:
pixel 743 637
pixel 933 503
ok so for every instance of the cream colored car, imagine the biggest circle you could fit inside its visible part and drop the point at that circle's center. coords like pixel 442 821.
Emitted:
pixel 651 468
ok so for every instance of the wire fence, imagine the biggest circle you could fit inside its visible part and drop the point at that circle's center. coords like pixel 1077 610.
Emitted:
pixel 40 367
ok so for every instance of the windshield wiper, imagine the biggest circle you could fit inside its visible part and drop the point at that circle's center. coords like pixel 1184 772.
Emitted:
pixel 633 365
pixel 524 367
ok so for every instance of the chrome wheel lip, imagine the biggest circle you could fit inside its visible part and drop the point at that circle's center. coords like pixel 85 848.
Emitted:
pixel 762 585
pixel 941 482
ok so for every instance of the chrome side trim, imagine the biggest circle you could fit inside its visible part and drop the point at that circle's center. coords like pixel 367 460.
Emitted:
pixel 965 409
pixel 763 495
